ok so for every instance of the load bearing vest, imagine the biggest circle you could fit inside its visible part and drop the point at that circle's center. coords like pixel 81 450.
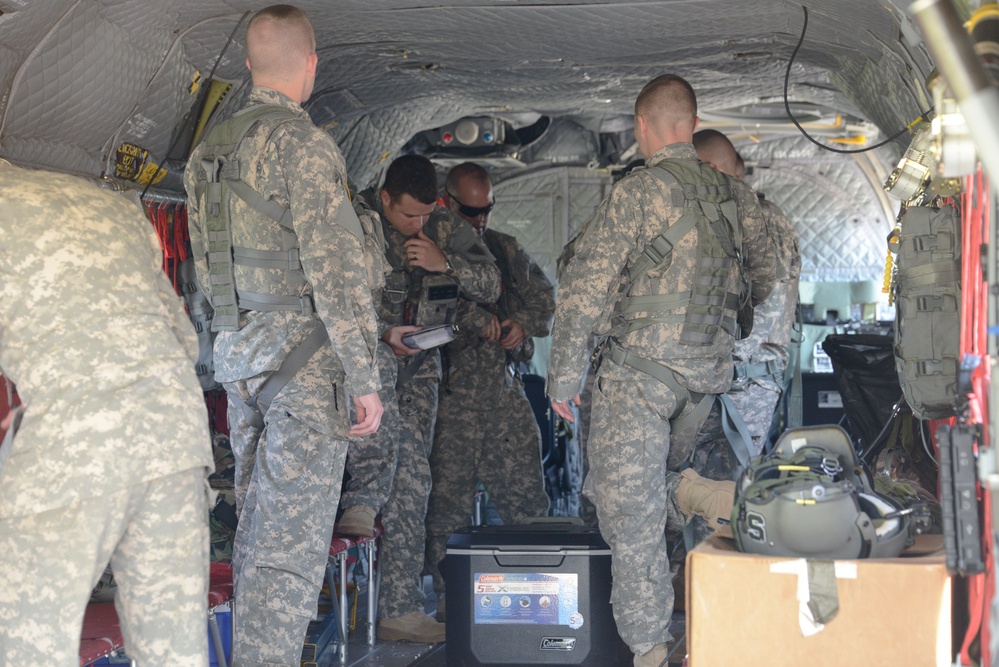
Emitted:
pixel 718 291
pixel 220 181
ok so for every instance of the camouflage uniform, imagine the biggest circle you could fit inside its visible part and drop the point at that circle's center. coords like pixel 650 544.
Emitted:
pixel 632 478
pixel 486 430
pixel 372 459
pixel 111 458
pixel 288 474
pixel 404 514
pixel 767 346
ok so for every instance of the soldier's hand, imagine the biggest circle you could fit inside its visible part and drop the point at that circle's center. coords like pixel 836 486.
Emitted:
pixel 424 253
pixel 369 414
pixel 515 337
pixel 492 331
pixel 394 339
pixel 9 419
pixel 562 409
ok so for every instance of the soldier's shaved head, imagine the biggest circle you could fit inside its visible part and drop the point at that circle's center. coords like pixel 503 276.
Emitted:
pixel 474 173
pixel 665 113
pixel 715 148
pixel 667 101
pixel 280 49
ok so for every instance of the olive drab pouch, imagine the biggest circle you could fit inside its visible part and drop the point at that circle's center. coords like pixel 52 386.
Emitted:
pixel 928 317
pixel 438 301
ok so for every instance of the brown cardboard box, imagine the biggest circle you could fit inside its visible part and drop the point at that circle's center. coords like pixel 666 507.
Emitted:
pixel 744 610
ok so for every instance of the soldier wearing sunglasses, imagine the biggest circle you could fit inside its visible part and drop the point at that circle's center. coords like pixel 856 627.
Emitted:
pixel 486 430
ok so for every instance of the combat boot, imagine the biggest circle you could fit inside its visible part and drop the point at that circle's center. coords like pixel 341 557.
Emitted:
pixel 654 658
pixel 707 498
pixel 412 627
pixel 357 520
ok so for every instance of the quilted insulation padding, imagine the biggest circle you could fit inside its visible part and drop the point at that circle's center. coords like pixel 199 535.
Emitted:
pixel 838 212
pixel 83 77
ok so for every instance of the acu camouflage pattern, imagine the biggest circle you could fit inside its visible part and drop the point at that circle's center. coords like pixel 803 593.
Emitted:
pixel 757 398
pixel 155 536
pixel 372 459
pixel 287 480
pixel 299 166
pixel 97 342
pixel 632 456
pixel 637 211
pixel 287 489
pixel 486 430
pixel 404 513
pixel 103 356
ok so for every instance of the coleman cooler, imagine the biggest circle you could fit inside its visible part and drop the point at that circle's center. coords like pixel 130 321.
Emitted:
pixel 535 594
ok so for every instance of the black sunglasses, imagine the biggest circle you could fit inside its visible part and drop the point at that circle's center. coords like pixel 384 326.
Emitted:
pixel 471 211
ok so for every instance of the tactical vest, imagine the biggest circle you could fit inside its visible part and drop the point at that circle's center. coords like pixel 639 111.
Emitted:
pixel 928 313
pixel 713 302
pixel 220 180
pixel 715 298
pixel 417 297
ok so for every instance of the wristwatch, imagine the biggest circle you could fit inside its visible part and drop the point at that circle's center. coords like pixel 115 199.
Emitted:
pixel 449 270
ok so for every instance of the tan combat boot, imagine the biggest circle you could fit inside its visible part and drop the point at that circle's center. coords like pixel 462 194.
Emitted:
pixel 412 627
pixel 654 658
pixel 357 520
pixel 707 498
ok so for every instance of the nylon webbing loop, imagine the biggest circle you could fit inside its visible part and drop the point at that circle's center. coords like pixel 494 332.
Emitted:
pixel 258 405
pixel 751 371
pixel 736 432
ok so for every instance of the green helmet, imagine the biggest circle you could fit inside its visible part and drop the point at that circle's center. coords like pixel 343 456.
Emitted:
pixel 811 498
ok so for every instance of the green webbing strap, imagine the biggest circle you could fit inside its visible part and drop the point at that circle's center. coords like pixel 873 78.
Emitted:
pixel 737 433
pixel 274 302
pixel 287 260
pixel 623 357
pixel 763 369
pixel 660 250
pixel 295 361
pixel 407 373
pixel 256 201
pixel 794 414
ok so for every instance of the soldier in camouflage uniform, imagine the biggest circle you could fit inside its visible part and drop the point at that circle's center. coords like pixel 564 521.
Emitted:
pixel 486 430
pixel 372 460
pixel 111 457
pixel 667 347
pixel 761 358
pixel 289 454
pixel 432 254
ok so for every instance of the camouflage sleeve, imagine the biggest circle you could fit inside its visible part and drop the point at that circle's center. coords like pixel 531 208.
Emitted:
pixel 330 241
pixel 589 287
pixel 472 317
pixel 533 305
pixel 759 253
pixel 194 224
pixel 475 265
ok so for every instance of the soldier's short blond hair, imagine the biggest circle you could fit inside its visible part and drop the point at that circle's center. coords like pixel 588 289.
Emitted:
pixel 278 38
pixel 667 99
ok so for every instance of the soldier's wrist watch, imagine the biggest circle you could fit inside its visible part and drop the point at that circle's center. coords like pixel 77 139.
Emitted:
pixel 449 270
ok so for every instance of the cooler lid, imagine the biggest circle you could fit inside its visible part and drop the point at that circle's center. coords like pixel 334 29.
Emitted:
pixel 548 536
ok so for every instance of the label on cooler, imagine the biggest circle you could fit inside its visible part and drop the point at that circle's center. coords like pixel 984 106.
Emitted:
pixel 526 598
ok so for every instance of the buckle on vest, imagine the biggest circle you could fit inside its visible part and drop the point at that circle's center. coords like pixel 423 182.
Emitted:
pixel 307 304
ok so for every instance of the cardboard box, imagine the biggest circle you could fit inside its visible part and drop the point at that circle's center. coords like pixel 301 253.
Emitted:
pixel 744 609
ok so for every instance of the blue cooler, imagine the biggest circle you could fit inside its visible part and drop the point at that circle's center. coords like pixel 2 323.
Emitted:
pixel 534 594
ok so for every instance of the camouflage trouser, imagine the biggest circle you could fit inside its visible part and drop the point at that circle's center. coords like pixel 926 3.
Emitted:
pixel 632 481
pixel 499 446
pixel 371 460
pixel 587 511
pixel 288 479
pixel 156 537
pixel 406 509
pixel 713 457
